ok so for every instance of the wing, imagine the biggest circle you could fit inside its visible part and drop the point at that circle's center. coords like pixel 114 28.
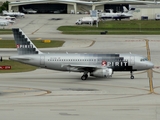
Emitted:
pixel 81 68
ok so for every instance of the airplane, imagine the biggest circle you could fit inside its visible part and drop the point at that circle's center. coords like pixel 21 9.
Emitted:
pixel 7 17
pixel 29 10
pixel 97 65
pixel 13 14
pixel 4 22
pixel 116 16
pixel 7 20
pixel 59 11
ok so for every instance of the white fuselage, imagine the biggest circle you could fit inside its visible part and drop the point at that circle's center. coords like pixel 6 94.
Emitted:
pixel 115 15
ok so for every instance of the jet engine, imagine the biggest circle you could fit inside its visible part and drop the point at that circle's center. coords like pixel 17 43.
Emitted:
pixel 105 72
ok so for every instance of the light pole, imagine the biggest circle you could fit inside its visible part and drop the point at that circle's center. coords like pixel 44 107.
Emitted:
pixel 140 27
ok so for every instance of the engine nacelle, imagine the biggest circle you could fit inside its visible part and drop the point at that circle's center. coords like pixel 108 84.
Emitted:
pixel 107 72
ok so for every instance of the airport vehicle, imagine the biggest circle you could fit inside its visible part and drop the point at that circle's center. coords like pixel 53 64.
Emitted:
pixel 29 11
pixel 13 14
pixel 117 16
pixel 87 20
pixel 97 65
pixel 157 17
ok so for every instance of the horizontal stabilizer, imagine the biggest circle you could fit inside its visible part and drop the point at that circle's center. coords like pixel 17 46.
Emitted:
pixel 19 58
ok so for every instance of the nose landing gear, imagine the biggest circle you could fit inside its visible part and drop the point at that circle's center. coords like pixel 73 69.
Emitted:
pixel 132 76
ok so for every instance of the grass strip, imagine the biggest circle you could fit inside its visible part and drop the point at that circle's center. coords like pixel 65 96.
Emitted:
pixel 16 67
pixel 5 31
pixel 116 27
pixel 112 32
pixel 38 44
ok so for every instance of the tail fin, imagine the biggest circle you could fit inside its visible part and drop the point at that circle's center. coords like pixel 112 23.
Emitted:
pixel 125 10
pixel 23 43
pixel 131 11
pixel 23 9
pixel 4 12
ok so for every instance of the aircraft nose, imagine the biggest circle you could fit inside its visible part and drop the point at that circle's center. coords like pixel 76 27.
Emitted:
pixel 12 58
pixel 150 65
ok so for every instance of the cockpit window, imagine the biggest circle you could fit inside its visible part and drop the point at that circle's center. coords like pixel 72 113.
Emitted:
pixel 144 59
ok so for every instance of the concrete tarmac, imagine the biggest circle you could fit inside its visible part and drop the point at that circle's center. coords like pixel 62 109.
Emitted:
pixel 48 94
pixel 45 94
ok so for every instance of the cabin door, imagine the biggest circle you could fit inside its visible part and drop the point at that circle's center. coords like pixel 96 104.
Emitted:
pixel 132 59
pixel 42 60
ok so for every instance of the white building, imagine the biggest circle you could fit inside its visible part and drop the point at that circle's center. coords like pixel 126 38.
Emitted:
pixel 149 11
pixel 147 8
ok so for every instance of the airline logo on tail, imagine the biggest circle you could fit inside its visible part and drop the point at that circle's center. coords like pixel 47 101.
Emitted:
pixel 23 43
pixel 24 46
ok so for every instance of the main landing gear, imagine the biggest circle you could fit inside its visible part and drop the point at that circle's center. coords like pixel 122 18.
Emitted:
pixel 132 76
pixel 84 76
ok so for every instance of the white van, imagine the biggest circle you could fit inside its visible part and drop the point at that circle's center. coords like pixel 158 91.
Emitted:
pixel 87 20
pixel 157 17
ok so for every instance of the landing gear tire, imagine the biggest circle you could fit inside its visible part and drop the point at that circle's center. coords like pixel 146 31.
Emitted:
pixel 84 77
pixel 132 77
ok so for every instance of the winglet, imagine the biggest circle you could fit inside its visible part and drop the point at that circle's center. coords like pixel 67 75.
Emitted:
pixel 23 43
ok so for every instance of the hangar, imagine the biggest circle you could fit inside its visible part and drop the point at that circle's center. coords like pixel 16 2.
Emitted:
pixel 74 6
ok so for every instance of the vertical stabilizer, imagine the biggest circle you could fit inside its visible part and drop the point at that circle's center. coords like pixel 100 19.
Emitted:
pixel 23 43
pixel 125 10
pixel 23 9
pixel 131 11
pixel 4 12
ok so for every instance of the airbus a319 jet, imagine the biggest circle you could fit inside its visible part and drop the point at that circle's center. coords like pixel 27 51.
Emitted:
pixel 97 65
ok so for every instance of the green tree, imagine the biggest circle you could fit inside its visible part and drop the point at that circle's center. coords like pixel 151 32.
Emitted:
pixel 4 6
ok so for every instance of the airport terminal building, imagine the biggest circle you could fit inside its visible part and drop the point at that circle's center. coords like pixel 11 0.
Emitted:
pixel 143 8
